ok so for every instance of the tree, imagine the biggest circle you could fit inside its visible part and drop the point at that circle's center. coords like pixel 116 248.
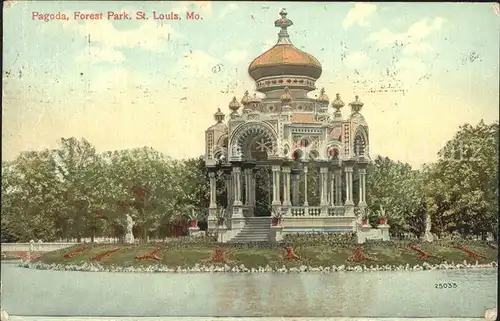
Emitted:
pixel 462 187
pixel 396 187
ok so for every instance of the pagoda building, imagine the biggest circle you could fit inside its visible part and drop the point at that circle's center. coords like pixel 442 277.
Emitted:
pixel 294 135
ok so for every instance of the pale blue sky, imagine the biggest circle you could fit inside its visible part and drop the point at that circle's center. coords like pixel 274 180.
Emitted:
pixel 151 83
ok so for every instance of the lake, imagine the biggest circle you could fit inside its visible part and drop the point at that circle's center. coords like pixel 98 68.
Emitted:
pixel 367 294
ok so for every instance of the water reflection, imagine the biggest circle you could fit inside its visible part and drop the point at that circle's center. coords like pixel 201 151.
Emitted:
pixel 315 294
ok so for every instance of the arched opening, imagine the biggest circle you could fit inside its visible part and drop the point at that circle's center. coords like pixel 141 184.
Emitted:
pixel 304 142
pixel 259 148
pixel 297 155
pixel 333 153
pixel 254 141
pixel 359 145
pixel 313 155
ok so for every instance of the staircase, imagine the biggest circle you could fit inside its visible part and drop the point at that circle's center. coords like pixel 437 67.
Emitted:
pixel 256 229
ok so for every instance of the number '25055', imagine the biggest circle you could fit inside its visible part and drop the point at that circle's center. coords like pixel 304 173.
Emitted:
pixel 445 285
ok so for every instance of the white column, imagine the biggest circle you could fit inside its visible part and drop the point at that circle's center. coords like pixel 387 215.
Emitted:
pixel 286 186
pixel 252 187
pixel 229 189
pixel 348 176
pixel 295 190
pixel 213 190
pixel 305 186
pixel 248 173
pixel 324 186
pixel 338 187
pixel 362 186
pixel 237 186
pixel 331 200
pixel 276 184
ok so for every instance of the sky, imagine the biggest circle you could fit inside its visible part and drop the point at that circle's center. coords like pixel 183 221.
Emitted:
pixel 421 69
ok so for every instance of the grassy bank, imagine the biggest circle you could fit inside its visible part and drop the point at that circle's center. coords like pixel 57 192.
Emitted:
pixel 392 253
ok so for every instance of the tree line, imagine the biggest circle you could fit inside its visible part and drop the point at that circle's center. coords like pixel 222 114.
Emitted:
pixel 73 192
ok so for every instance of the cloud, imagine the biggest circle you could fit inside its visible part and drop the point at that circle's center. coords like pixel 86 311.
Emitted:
pixel 96 55
pixel 413 39
pixel 359 14
pixel 357 60
pixel 198 63
pixel 228 9
pixel 201 7
pixel 106 41
pixel 235 56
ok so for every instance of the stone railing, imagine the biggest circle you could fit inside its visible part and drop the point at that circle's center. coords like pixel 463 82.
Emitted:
pixel 37 247
pixel 316 211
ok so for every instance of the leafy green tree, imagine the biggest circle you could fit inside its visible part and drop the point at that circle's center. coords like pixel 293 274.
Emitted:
pixel 399 189
pixel 462 187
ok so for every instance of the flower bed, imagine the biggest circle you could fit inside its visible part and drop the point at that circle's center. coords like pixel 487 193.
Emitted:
pixel 219 255
pixel 358 255
pixel 101 256
pixel 24 255
pixel 75 252
pixel 290 254
pixel 96 267
pixel 470 253
pixel 422 255
pixel 150 256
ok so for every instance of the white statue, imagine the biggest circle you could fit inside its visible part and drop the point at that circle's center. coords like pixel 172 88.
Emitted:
pixel 428 237
pixel 129 236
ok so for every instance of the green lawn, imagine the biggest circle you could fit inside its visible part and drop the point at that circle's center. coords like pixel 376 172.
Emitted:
pixel 315 256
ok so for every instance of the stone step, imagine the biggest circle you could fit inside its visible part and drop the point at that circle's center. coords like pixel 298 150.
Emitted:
pixel 255 230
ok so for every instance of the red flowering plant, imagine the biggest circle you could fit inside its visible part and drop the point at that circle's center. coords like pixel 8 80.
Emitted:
pixel 192 216
pixel 75 252
pixel 101 256
pixel 359 255
pixel 219 255
pixel 422 254
pixel 382 215
pixel 150 256
pixel 290 254
pixel 472 254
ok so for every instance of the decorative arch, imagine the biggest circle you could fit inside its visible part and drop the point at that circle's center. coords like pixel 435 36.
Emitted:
pixel 258 134
pixel 220 152
pixel 361 141
pixel 223 141
pixel 333 150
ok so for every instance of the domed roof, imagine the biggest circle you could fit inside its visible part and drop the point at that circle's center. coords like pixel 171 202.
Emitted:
pixel 284 58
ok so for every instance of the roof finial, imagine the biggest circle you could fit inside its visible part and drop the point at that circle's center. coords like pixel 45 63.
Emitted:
pixel 219 116
pixel 356 105
pixel 283 23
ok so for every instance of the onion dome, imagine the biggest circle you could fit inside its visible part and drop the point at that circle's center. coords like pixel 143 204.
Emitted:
pixel 246 99
pixel 338 103
pixel 356 105
pixel 323 98
pixel 234 105
pixel 284 64
pixel 219 116
pixel 286 98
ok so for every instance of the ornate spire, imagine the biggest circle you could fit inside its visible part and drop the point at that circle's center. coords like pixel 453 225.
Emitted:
pixel 338 103
pixel 286 98
pixel 234 105
pixel 323 98
pixel 246 98
pixel 219 116
pixel 283 23
pixel 356 105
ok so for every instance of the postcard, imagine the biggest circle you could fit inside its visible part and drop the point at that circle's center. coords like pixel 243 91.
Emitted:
pixel 203 159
